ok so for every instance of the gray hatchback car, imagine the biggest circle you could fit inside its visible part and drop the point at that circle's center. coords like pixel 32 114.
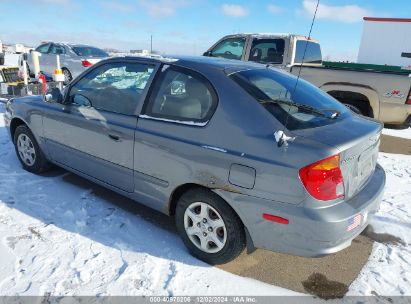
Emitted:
pixel 240 153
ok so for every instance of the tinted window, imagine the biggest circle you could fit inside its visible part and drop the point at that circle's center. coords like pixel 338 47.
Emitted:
pixel 231 48
pixel 88 51
pixel 267 50
pixel 312 54
pixel 58 49
pixel 115 87
pixel 268 85
pixel 182 95
pixel 44 48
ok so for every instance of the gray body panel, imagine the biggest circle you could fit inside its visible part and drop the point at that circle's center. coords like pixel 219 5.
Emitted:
pixel 234 154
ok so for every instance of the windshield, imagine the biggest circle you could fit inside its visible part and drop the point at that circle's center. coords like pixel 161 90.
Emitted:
pixel 88 51
pixel 305 105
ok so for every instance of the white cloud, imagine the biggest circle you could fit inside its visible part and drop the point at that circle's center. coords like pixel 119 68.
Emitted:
pixel 274 9
pixel 163 8
pixel 234 10
pixel 343 13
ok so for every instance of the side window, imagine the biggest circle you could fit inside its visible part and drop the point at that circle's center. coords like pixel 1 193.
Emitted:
pixel 114 87
pixel 44 48
pixel 57 49
pixel 267 50
pixel 312 52
pixel 182 95
pixel 231 48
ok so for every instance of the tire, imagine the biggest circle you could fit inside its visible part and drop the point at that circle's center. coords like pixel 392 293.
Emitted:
pixel 67 76
pixel 221 244
pixel 1 60
pixel 353 108
pixel 28 151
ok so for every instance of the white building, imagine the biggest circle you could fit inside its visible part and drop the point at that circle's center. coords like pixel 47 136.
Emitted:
pixel 386 41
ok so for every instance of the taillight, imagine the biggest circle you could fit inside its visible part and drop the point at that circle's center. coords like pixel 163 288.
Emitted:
pixel 323 179
pixel 86 63
pixel 408 101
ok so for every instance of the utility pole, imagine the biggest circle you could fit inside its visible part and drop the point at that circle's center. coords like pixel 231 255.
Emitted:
pixel 151 44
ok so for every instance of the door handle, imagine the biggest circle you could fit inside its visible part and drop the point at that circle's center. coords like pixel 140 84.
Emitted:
pixel 114 137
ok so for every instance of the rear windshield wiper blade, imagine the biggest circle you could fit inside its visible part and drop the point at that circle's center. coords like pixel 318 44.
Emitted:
pixel 322 112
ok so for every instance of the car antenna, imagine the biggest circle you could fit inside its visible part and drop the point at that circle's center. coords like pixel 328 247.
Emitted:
pixel 280 136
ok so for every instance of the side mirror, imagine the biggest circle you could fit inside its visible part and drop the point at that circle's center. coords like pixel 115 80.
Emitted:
pixel 53 95
pixel 25 56
pixel 207 54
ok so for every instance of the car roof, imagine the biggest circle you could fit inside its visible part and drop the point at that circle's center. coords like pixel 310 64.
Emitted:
pixel 198 62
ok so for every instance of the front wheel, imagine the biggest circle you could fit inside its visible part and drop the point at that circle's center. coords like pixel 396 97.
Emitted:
pixel 28 151
pixel 209 227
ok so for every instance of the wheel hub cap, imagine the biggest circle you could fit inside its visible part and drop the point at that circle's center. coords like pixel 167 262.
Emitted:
pixel 26 150
pixel 205 227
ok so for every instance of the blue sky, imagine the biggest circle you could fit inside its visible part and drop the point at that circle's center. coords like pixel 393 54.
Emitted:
pixel 189 27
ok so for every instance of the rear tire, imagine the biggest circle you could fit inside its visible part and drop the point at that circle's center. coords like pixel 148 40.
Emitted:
pixel 209 227
pixel 28 151
pixel 67 76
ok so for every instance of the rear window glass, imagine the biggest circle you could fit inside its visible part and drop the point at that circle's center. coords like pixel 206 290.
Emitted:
pixel 88 51
pixel 312 53
pixel 277 91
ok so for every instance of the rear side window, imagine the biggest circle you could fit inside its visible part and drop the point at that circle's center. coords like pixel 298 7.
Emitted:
pixel 278 93
pixel 113 87
pixel 267 50
pixel 58 49
pixel 182 95
pixel 231 48
pixel 312 53
pixel 88 51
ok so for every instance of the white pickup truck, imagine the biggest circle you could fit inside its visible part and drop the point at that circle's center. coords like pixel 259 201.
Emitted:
pixel 378 91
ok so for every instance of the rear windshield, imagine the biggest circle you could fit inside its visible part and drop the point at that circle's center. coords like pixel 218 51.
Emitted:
pixel 88 51
pixel 312 52
pixel 277 91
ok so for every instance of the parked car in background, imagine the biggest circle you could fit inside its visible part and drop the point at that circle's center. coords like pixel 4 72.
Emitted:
pixel 377 91
pixel 195 137
pixel 74 58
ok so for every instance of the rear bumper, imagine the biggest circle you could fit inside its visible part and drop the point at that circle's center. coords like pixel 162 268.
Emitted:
pixel 310 232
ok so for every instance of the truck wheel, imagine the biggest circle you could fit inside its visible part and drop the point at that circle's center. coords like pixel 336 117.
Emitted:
pixel 1 60
pixel 67 76
pixel 353 108
pixel 210 229
pixel 28 151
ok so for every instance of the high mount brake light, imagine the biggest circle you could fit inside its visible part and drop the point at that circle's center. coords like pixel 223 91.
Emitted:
pixel 323 179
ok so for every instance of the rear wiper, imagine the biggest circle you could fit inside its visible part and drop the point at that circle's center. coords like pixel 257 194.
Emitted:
pixel 322 112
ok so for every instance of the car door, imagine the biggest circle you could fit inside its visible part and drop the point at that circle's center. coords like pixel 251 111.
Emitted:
pixel 56 49
pixel 230 48
pixel 43 49
pixel 93 132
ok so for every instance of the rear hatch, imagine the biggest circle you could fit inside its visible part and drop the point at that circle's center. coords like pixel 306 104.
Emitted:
pixel 357 138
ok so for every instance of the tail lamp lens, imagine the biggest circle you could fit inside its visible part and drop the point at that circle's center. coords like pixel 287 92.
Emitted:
pixel 86 63
pixel 323 179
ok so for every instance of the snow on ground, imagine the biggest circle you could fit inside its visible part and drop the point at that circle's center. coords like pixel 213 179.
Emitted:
pixel 405 133
pixel 59 237
pixel 388 271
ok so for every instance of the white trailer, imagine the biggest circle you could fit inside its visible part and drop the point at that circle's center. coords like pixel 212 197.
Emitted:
pixel 386 41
